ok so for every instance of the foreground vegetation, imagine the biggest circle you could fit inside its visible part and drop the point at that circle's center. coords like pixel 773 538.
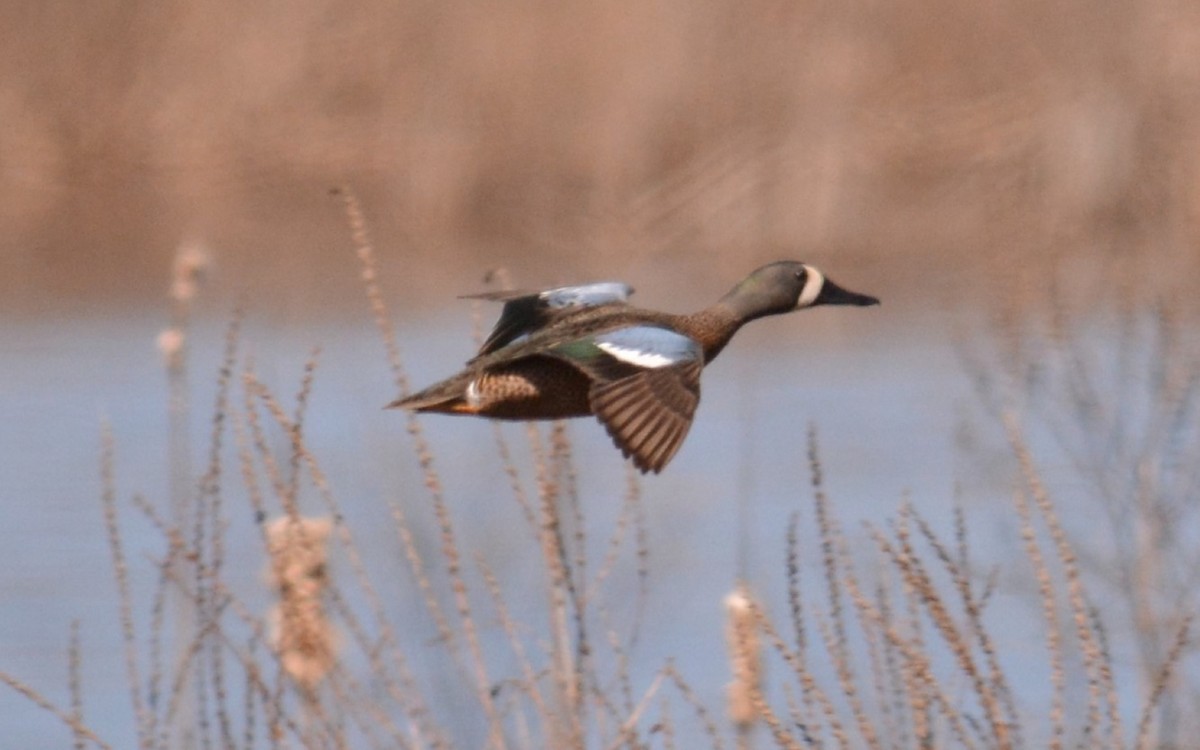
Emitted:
pixel 895 646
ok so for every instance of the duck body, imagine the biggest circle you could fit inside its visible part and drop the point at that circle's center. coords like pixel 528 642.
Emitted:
pixel 580 351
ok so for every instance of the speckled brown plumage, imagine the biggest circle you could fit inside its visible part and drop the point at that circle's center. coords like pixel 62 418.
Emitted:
pixel 533 388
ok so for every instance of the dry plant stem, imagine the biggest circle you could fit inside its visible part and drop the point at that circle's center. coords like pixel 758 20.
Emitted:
pixel 1098 670
pixel 210 497
pixel 564 669
pixel 602 698
pixel 158 608
pixel 798 718
pixel 74 663
pixel 746 699
pixel 529 677
pixel 665 725
pixel 416 566
pixel 634 495
pixel 322 730
pixel 795 600
pixel 280 720
pixel 837 645
pixel 921 679
pixel 79 729
pixel 248 695
pixel 366 255
pixel 1106 655
pixel 121 574
pixel 796 611
pixel 409 696
pixel 245 453
pixel 971 606
pixel 782 738
pixel 914 624
pixel 296 431
pixel 1050 612
pixel 565 484
pixel 275 709
pixel 370 276
pixel 910 564
pixel 310 627
pixel 911 568
pixel 186 667
pixel 907 688
pixel 796 663
pixel 197 668
pixel 327 496
pixel 514 478
pixel 824 631
pixel 922 711
pixel 886 723
pixel 893 698
pixel 256 685
pixel 622 661
pixel 406 692
pixel 361 239
pixel 350 709
pixel 253 388
pixel 1144 740
pixel 607 719
pixel 353 695
pixel 629 727
pixel 613 550
pixel 702 713
pixel 462 600
pixel 524 738
pixel 565 468
pixel 159 731
pixel 276 481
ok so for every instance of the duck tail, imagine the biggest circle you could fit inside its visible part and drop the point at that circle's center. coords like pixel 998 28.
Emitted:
pixel 446 397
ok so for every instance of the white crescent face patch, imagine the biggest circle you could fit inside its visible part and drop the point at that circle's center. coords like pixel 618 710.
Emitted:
pixel 648 346
pixel 813 282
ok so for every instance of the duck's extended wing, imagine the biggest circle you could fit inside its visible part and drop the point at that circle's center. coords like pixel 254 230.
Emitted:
pixel 526 312
pixel 645 388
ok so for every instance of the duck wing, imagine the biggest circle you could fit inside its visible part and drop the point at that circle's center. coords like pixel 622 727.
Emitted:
pixel 526 312
pixel 645 388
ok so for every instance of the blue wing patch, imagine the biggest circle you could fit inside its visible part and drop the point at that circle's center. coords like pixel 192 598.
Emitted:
pixel 649 346
pixel 586 295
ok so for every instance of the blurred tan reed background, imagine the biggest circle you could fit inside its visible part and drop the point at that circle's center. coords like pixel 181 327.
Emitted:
pixel 927 144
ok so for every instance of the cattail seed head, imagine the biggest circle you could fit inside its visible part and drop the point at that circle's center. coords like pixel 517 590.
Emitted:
pixel 191 262
pixel 300 629
pixel 745 656
pixel 170 344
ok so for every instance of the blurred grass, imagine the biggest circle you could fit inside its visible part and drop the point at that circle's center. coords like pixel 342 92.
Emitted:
pixel 888 637
pixel 946 148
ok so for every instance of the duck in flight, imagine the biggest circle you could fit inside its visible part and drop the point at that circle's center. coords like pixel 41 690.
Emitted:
pixel 582 350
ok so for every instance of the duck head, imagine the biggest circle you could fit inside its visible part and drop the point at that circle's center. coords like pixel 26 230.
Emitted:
pixel 785 286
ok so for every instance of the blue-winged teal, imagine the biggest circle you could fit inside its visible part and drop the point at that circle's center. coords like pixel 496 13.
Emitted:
pixel 581 350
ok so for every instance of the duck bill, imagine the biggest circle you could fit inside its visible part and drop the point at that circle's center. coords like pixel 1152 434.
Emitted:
pixel 832 294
